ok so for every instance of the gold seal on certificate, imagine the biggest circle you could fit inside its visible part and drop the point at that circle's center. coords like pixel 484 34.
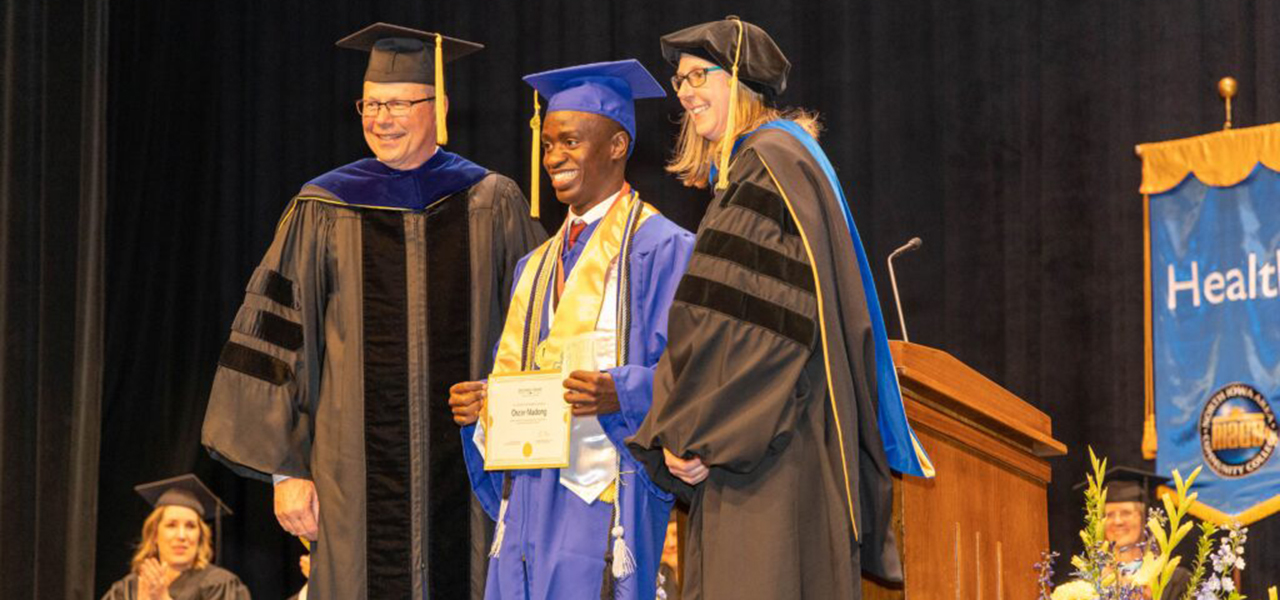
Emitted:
pixel 526 421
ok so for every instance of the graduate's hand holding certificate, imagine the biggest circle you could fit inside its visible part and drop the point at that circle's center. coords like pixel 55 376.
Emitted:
pixel 465 400
pixel 526 421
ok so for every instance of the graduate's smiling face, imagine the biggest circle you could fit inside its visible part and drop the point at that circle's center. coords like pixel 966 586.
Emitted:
pixel 708 104
pixel 1123 522
pixel 178 537
pixel 585 154
pixel 401 142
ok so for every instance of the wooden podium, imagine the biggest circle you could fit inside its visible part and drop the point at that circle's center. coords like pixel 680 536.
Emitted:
pixel 975 530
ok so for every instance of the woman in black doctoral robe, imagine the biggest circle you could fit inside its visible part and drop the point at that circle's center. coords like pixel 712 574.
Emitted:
pixel 776 411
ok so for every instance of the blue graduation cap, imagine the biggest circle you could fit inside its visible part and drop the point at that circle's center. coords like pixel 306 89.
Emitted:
pixel 608 89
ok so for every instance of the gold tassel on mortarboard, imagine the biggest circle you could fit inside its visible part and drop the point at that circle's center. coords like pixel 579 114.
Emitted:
pixel 442 130
pixel 535 158
pixel 726 141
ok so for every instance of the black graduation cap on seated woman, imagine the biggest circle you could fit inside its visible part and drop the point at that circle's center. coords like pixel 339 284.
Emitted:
pixel 761 64
pixel 1127 484
pixel 187 490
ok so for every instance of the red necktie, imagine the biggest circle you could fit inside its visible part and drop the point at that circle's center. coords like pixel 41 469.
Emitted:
pixel 575 229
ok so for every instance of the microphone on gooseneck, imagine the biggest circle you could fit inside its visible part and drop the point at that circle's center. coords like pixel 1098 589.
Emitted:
pixel 893 281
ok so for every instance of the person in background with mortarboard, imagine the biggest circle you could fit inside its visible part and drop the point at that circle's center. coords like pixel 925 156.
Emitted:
pixel 776 410
pixel 385 282
pixel 593 529
pixel 1129 494
pixel 174 560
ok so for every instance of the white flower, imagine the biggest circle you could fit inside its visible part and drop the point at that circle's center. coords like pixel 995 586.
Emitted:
pixel 1075 590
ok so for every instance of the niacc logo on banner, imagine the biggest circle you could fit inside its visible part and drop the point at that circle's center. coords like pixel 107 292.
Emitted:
pixel 1237 430
pixel 1232 285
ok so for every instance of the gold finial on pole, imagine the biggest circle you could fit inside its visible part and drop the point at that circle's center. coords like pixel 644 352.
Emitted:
pixel 1227 89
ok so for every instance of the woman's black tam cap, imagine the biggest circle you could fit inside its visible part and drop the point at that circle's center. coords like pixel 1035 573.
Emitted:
pixel 761 65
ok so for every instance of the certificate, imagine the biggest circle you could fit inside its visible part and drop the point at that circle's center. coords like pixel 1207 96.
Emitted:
pixel 526 421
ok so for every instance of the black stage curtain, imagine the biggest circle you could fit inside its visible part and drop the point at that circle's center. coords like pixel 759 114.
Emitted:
pixel 1000 132
pixel 52 206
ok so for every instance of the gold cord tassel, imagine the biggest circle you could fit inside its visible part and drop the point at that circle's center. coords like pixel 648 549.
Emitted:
pixel 442 130
pixel 535 158
pixel 726 141
pixel 1150 441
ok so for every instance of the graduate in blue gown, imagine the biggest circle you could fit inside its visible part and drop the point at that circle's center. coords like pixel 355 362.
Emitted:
pixel 595 528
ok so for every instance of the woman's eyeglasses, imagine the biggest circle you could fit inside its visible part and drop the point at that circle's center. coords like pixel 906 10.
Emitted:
pixel 696 77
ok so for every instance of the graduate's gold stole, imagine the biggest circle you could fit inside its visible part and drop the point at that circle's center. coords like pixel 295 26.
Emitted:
pixel 583 297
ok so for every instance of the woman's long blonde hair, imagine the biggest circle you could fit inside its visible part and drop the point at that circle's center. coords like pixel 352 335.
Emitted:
pixel 693 155
pixel 150 548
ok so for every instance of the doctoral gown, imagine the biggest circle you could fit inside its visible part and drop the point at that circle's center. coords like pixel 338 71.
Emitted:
pixel 381 288
pixel 209 583
pixel 771 378
pixel 555 543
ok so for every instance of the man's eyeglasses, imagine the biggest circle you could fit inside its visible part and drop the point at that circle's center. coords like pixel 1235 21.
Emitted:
pixel 397 108
pixel 696 77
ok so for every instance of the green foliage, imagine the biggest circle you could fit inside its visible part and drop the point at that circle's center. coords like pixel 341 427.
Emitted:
pixel 1094 564
pixel 1203 547
pixel 1176 506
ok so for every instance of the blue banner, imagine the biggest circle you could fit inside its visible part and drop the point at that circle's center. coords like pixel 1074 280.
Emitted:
pixel 1215 325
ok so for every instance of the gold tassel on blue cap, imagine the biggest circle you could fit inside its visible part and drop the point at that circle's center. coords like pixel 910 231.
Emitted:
pixel 535 159
pixel 442 130
pixel 726 141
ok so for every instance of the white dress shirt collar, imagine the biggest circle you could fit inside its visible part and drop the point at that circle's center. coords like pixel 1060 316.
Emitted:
pixel 595 213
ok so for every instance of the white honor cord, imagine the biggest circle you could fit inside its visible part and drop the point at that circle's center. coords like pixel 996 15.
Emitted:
pixel 623 563
pixel 500 532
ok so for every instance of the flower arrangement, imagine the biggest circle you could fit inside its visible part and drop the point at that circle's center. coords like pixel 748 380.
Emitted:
pixel 1095 575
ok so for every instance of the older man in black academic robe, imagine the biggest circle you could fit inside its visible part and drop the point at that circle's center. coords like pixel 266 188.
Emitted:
pixel 385 284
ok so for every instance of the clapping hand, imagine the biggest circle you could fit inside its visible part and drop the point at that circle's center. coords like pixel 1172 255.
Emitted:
pixel 154 579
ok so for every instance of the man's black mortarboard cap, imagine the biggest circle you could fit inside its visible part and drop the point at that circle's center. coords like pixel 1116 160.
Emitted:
pixel 761 66
pixel 403 55
pixel 1126 484
pixel 187 490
